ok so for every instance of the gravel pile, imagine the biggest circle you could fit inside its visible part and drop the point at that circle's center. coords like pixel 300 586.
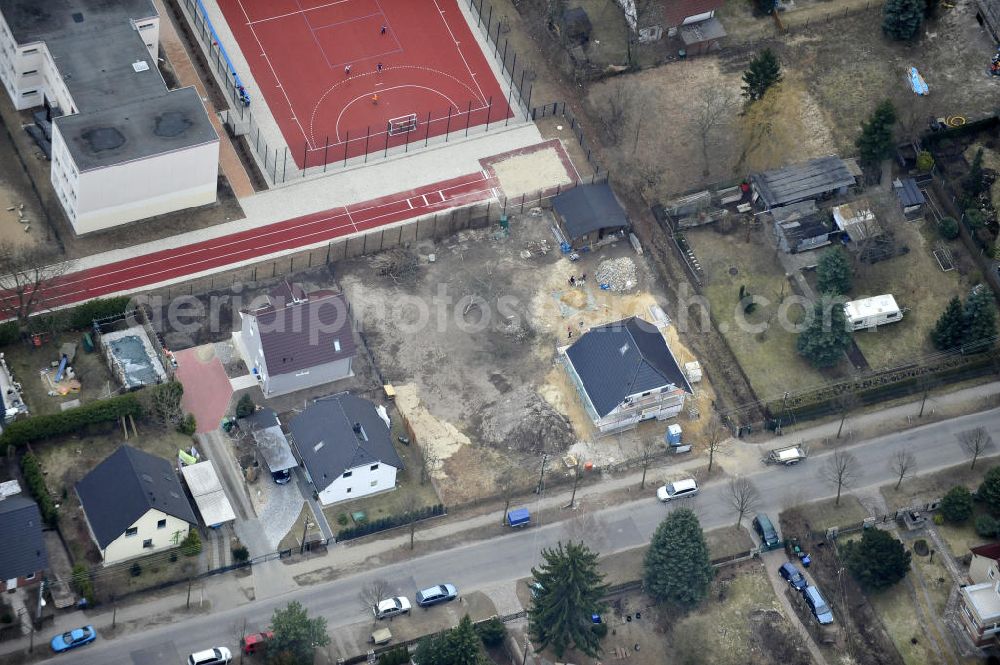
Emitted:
pixel 619 274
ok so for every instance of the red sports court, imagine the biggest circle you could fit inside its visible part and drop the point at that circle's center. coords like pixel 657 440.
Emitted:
pixel 318 65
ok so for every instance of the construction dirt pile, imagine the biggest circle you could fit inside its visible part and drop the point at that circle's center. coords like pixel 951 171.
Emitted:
pixel 521 420
pixel 618 274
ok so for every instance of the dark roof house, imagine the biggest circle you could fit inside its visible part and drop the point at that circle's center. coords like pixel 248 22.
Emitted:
pixel 620 360
pixel 815 179
pixel 586 213
pixel 124 487
pixel 679 12
pixel 339 433
pixel 909 194
pixel 22 547
pixel 802 226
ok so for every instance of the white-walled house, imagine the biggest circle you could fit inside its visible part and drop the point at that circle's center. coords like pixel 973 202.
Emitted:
pixel 298 340
pixel 345 447
pixel 123 146
pixel 625 373
pixel 134 505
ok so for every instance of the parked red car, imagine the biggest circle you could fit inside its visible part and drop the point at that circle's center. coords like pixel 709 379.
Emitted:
pixel 255 642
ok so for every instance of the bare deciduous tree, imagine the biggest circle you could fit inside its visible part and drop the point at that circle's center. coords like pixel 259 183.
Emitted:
pixel 840 471
pixel 29 279
pixel 846 402
pixel 582 528
pixel 743 497
pixel 428 461
pixel 617 106
pixel 162 404
pixel 715 434
pixel 975 442
pixel 506 483
pixel 372 593
pixel 648 447
pixel 408 504
pixel 712 109
pixel 903 464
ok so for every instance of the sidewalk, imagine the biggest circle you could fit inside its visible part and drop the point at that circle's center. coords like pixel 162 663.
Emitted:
pixel 230 590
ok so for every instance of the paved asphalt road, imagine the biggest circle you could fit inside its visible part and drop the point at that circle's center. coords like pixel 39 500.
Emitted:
pixel 510 557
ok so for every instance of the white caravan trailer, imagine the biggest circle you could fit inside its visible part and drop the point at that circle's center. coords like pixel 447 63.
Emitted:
pixel 872 312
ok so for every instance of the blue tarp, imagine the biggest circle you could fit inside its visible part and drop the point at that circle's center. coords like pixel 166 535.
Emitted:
pixel 518 517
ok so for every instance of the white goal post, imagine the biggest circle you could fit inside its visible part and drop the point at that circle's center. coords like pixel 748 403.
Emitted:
pixel 402 124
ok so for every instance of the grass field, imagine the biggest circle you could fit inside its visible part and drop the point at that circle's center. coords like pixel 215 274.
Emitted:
pixel 823 515
pixel 933 486
pixel 729 263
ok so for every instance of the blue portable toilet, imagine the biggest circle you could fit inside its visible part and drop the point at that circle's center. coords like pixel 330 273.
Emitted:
pixel 674 435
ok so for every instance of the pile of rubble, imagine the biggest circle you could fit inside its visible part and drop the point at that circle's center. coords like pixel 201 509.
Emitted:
pixel 522 420
pixel 617 274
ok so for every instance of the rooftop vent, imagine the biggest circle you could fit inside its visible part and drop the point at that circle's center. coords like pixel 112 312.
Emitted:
pixel 77 17
pixel 624 349
pixel 336 345
pixel 148 478
pixel 317 447
pixel 357 428
pixel 140 66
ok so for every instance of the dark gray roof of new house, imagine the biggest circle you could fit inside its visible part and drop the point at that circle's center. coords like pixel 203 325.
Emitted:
pixel 328 445
pixel 22 547
pixel 299 335
pixel 124 487
pixel 123 109
pixel 799 182
pixel 909 192
pixel 588 208
pixel 271 441
pixel 624 358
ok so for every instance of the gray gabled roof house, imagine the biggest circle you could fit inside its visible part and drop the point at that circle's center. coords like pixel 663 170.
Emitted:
pixel 345 444
pixel 23 558
pixel 815 179
pixel 587 214
pixel 135 505
pixel 625 373
pixel 297 340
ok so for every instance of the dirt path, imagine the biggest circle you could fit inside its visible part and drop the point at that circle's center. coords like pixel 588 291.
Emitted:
pixel 772 561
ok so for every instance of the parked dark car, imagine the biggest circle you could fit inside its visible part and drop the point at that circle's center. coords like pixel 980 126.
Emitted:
pixel 793 576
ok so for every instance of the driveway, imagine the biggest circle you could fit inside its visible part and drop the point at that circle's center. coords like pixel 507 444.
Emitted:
pixel 772 561
pixel 207 390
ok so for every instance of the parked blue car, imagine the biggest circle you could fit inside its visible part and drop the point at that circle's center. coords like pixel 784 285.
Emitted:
pixel 74 638
pixel 793 576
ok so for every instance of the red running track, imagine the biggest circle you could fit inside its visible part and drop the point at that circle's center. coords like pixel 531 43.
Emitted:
pixel 434 77
pixel 143 271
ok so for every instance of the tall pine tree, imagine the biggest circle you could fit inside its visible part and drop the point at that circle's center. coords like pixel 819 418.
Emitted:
pixel 950 326
pixel 875 141
pixel 980 316
pixel 833 273
pixel 678 569
pixel 763 72
pixel 570 591
pixel 901 19
pixel 826 337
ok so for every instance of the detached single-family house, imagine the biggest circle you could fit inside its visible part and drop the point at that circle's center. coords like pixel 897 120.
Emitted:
pixel 979 602
pixel 297 340
pixel 588 215
pixel 800 227
pixel 625 373
pixel 134 505
pixel 23 558
pixel 346 448
pixel 649 20
pixel 816 179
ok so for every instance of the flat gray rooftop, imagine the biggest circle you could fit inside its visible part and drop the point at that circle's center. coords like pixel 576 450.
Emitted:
pixel 122 114
pixel 143 128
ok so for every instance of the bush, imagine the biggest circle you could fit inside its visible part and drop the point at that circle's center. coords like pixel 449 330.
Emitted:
pixel 240 554
pixel 342 519
pixel 245 406
pixel 6 617
pixel 191 545
pixel 492 632
pixel 395 656
pixel 974 218
pixel 82 317
pixel 188 426
pixel 989 490
pixel 391 522
pixel 601 629
pixel 925 161
pixel 948 228
pixel 938 519
pixel 35 480
pixel 986 526
pixel 956 506
pixel 21 432
pixel 136 569
pixel 82 583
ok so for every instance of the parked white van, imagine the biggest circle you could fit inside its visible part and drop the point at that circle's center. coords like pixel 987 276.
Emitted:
pixel 677 489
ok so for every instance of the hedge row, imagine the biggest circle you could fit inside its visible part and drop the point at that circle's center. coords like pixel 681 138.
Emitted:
pixel 391 522
pixel 77 318
pixel 35 428
pixel 32 471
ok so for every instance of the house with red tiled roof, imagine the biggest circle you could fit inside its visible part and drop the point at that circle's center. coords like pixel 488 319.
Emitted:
pixel 979 602
pixel 691 22
pixel 297 340
pixel 685 12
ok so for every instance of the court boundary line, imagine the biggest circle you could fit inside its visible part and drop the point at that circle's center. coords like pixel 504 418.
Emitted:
pixel 273 18
pixel 457 44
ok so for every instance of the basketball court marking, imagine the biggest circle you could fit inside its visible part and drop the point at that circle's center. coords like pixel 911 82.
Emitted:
pixel 457 47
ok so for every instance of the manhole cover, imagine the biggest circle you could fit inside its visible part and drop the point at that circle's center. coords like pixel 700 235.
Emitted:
pixel 734 271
